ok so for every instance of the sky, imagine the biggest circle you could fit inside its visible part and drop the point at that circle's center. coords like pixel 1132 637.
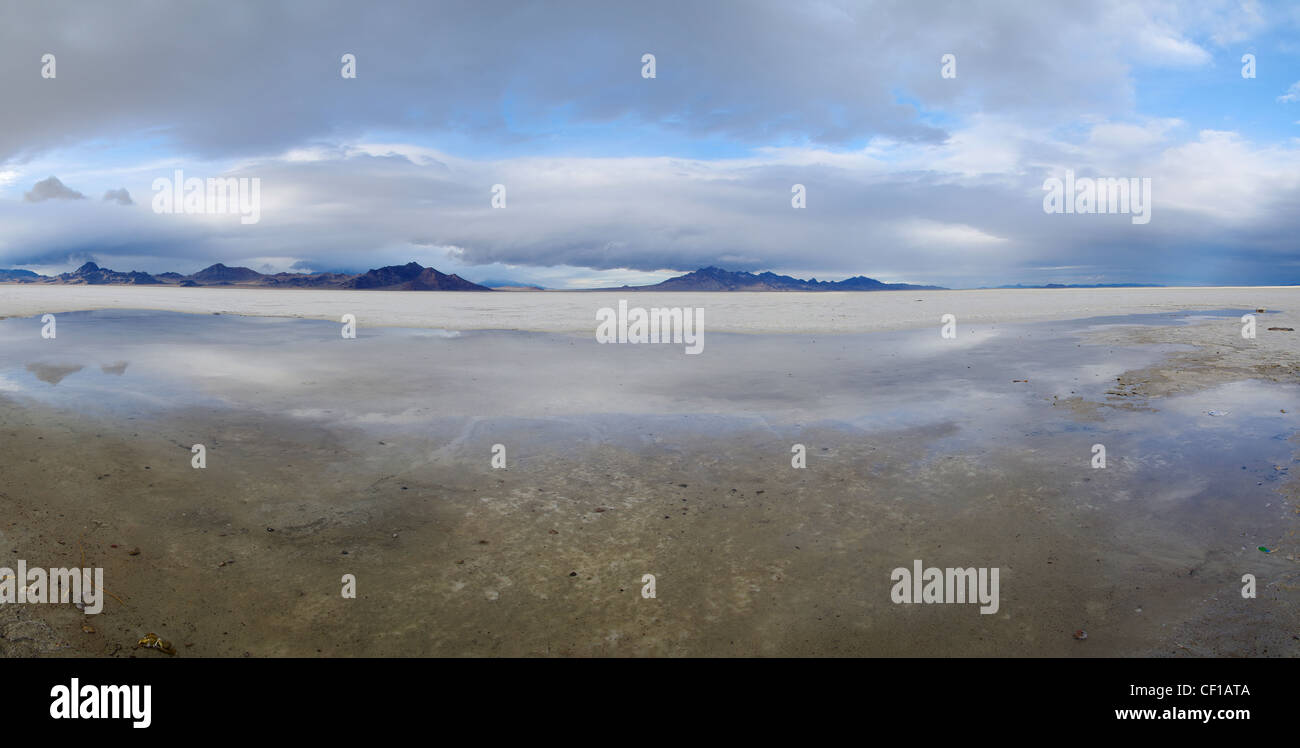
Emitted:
pixel 611 177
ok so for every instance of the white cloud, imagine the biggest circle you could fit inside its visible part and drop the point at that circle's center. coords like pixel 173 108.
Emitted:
pixel 1164 47
pixel 837 96
pixel 947 235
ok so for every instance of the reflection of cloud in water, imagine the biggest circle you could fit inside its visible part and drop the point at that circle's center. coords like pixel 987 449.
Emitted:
pixel 391 377
pixel 968 336
pixel 1250 398
pixel 226 364
pixel 53 373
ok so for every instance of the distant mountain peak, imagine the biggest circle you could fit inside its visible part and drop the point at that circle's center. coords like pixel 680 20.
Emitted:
pixel 714 278
pixel 410 277
pixel 220 273
pixel 91 274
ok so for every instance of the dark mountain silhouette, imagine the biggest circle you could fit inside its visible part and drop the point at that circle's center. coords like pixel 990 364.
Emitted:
pixel 93 275
pixel 717 279
pixel 307 280
pixel 219 273
pixel 410 277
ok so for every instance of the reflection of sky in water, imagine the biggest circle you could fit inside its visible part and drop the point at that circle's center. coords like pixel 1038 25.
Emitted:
pixel 396 377
pixel 131 360
pixel 1249 445
pixel 453 391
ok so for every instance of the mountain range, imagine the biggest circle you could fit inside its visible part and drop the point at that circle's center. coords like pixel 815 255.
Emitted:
pixel 717 279
pixel 409 277
pixel 1086 285
pixel 414 277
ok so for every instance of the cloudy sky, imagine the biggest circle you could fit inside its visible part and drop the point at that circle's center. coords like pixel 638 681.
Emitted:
pixel 613 177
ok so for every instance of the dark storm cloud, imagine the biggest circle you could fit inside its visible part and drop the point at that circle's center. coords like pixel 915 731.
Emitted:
pixel 256 77
pixel 52 257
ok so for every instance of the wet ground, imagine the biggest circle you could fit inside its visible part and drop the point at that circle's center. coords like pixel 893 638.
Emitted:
pixel 373 457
